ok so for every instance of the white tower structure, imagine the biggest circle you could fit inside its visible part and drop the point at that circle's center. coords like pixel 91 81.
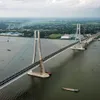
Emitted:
pixel 37 44
pixel 11 26
pixel 80 45
pixel 78 33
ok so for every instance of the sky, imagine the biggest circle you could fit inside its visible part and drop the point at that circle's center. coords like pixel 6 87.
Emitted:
pixel 50 8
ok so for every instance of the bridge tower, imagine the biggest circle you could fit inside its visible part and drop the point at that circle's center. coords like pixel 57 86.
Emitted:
pixel 37 44
pixel 78 33
pixel 81 45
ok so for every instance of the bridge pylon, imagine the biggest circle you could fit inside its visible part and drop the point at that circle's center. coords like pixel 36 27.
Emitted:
pixel 37 44
pixel 78 33
pixel 81 45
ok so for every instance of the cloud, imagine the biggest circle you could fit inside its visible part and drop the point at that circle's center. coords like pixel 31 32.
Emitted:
pixel 90 3
pixel 49 8
pixel 0 1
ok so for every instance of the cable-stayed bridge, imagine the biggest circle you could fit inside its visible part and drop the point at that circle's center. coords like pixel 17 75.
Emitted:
pixel 23 57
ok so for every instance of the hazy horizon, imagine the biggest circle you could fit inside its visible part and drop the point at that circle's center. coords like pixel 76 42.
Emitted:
pixel 47 17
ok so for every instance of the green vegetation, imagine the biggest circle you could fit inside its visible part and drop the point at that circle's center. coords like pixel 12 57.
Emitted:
pixel 55 36
pixel 52 28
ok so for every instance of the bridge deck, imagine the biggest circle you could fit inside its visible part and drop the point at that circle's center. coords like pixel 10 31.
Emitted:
pixel 20 55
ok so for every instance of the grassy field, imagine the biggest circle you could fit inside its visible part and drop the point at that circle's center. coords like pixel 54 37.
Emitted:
pixel 55 36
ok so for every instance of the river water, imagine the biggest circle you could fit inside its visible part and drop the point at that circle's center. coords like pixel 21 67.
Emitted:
pixel 82 71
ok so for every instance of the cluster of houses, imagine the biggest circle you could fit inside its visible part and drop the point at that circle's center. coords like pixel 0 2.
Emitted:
pixel 12 34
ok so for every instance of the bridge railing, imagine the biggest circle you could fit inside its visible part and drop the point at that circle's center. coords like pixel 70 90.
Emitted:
pixel 8 79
